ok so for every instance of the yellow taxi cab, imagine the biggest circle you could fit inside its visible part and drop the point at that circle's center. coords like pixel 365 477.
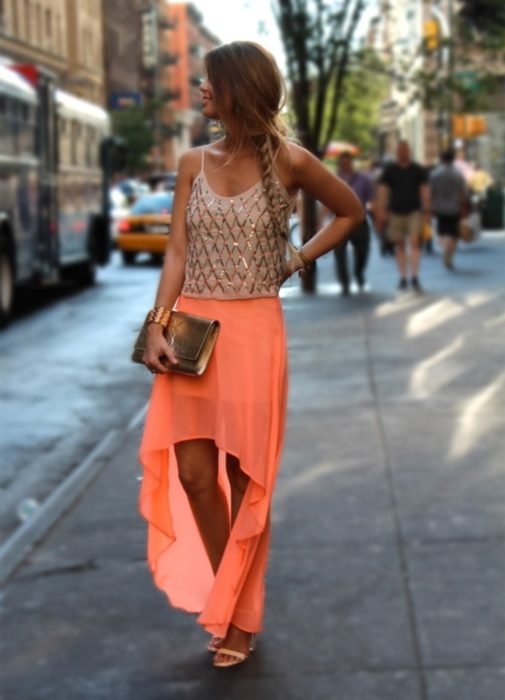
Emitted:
pixel 146 227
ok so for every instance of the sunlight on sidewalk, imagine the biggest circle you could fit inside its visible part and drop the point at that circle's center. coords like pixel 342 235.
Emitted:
pixel 479 416
pixel 431 375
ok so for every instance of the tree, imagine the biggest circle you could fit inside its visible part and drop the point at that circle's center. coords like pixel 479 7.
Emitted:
pixel 484 19
pixel 134 127
pixel 358 113
pixel 318 40
pixel 462 72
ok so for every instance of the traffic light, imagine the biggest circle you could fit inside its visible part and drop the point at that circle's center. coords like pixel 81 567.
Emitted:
pixel 431 35
pixel 467 126
pixel 459 126
pixel 477 125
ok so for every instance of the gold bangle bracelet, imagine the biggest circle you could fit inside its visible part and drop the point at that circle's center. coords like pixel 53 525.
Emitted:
pixel 159 315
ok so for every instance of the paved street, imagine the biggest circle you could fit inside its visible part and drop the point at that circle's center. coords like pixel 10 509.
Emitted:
pixel 387 566
pixel 63 363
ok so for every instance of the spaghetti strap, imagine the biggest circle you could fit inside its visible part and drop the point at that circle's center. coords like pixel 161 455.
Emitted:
pixel 203 155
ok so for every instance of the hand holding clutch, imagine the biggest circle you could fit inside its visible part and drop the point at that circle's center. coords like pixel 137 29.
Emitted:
pixel 158 355
pixel 192 339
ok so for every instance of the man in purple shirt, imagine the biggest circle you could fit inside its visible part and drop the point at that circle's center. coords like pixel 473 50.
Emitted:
pixel 362 186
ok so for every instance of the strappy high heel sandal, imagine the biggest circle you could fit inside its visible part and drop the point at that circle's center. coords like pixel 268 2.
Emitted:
pixel 214 642
pixel 238 657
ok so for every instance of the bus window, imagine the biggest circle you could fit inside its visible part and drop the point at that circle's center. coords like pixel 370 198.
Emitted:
pixel 74 143
pixel 26 130
pixel 89 147
pixel 10 143
pixel 4 127
pixel 64 138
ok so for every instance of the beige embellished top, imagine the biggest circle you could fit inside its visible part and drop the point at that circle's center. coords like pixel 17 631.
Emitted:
pixel 233 250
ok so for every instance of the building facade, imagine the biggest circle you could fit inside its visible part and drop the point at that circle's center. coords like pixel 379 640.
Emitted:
pixel 123 59
pixel 398 39
pixel 63 36
pixel 415 35
pixel 183 44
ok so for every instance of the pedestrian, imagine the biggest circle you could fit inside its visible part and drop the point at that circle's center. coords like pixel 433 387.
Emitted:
pixel 403 200
pixel 463 165
pixel 448 193
pixel 374 173
pixel 211 445
pixel 362 186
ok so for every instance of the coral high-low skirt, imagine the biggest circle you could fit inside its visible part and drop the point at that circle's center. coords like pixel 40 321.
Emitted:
pixel 240 403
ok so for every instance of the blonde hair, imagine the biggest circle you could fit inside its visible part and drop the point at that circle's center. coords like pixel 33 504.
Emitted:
pixel 249 93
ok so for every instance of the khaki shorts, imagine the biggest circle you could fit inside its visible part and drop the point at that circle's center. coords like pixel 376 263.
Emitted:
pixel 402 226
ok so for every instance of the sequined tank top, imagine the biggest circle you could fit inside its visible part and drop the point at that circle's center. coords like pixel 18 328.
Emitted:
pixel 233 250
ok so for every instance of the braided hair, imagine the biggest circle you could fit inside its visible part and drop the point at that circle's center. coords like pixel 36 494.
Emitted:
pixel 248 87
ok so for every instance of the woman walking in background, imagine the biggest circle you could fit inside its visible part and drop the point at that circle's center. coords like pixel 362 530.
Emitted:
pixel 212 444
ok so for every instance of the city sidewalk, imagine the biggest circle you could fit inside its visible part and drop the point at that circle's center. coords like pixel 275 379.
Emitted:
pixel 386 573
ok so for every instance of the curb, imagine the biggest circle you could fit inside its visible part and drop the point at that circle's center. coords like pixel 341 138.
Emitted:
pixel 16 547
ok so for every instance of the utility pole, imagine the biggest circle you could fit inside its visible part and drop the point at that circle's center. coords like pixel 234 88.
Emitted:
pixel 450 71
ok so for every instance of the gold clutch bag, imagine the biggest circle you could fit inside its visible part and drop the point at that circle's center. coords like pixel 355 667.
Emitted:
pixel 192 337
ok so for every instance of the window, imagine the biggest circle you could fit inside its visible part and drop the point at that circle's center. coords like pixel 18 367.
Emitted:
pixel 38 25
pixel 28 19
pixel 89 147
pixel 59 34
pixel 14 19
pixel 49 28
pixel 74 143
pixel 5 140
pixel 26 121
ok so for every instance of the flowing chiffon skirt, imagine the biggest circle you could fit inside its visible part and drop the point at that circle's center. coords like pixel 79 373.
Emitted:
pixel 240 403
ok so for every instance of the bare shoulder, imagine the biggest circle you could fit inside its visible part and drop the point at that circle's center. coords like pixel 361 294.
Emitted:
pixel 289 162
pixel 305 168
pixel 190 163
pixel 299 156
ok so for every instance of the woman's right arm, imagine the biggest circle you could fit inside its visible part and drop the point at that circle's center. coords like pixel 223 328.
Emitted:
pixel 158 351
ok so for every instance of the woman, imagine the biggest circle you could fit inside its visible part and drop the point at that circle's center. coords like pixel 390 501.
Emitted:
pixel 211 445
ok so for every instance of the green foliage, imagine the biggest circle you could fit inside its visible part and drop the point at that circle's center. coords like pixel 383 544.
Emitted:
pixel 318 39
pixel 463 72
pixel 135 127
pixel 466 89
pixel 483 21
pixel 364 90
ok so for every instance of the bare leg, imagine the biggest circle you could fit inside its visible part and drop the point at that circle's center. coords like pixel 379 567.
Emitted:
pixel 415 255
pixel 236 639
pixel 238 483
pixel 401 257
pixel 450 244
pixel 198 467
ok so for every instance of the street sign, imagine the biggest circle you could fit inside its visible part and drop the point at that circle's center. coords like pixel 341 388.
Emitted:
pixel 149 39
pixel 124 99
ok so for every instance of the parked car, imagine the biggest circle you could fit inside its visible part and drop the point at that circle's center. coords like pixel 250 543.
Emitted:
pixel 146 227
pixel 119 208
pixel 163 182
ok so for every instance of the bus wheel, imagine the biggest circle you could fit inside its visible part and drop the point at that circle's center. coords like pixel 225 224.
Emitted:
pixel 86 276
pixel 83 275
pixel 6 283
pixel 128 257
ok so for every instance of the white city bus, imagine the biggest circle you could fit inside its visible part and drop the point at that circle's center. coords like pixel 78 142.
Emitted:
pixel 53 217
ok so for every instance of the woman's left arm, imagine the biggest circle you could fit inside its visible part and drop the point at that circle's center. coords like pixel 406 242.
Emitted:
pixel 311 176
